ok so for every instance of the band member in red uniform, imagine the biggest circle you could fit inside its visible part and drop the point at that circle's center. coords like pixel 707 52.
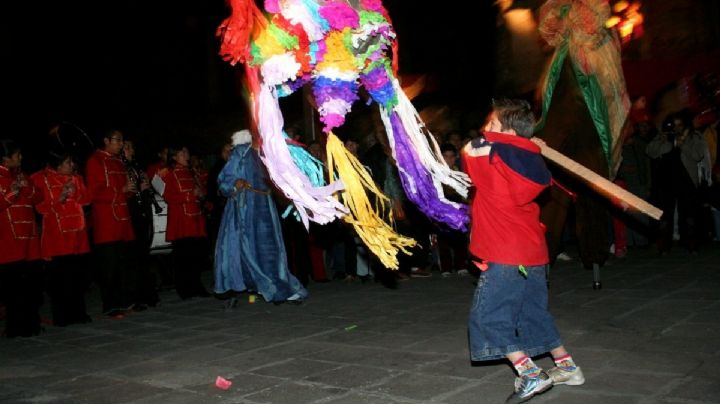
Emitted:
pixel 20 277
pixel 141 205
pixel 107 181
pixel 185 223
pixel 64 242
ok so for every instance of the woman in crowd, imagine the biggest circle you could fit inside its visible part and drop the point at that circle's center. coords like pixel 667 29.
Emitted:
pixel 185 223
pixel 20 277
pixel 64 240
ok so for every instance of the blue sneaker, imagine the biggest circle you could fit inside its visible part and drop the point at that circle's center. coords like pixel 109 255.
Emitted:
pixel 527 387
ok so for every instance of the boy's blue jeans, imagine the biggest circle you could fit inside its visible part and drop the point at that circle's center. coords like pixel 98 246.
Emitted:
pixel 509 314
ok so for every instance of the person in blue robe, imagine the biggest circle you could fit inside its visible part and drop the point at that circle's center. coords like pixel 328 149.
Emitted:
pixel 250 252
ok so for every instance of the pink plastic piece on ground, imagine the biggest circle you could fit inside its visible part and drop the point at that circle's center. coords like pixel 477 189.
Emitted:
pixel 222 383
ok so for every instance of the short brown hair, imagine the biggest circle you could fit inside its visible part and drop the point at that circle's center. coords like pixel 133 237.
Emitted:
pixel 516 115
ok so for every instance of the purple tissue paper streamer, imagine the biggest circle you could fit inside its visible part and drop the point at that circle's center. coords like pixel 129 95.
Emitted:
pixel 425 196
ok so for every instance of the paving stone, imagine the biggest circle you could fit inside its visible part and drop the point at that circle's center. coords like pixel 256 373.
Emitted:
pixel 619 382
pixel 419 386
pixel 120 393
pixel 481 393
pixel 696 388
pixel 89 361
pixel 574 395
pixel 351 376
pixel 295 368
pixel 83 384
pixel 457 366
pixel 293 393
pixel 402 360
pixel 361 397
pixel 639 340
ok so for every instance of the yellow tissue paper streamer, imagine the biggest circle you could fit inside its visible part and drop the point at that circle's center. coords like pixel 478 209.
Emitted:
pixel 378 235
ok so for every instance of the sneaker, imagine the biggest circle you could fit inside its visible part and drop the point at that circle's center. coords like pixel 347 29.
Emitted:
pixel 117 314
pixel 446 274
pixel 564 376
pixel 563 256
pixel 419 273
pixel 463 272
pixel 295 299
pixel 527 387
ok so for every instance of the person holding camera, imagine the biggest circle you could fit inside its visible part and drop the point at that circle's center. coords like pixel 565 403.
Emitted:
pixel 676 151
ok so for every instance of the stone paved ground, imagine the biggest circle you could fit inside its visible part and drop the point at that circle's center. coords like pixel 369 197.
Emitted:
pixel 650 336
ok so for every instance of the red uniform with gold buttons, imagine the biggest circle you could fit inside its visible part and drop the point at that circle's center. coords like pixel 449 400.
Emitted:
pixel 185 217
pixel 64 230
pixel 19 237
pixel 106 178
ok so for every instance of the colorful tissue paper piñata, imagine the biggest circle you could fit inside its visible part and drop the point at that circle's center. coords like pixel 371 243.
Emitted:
pixel 338 47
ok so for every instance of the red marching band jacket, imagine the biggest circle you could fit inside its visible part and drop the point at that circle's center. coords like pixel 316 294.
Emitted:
pixel 19 238
pixel 64 230
pixel 106 178
pixel 185 217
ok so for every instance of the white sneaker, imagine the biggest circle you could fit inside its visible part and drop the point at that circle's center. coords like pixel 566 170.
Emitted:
pixel 562 376
pixel 463 272
pixel 563 256
pixel 526 387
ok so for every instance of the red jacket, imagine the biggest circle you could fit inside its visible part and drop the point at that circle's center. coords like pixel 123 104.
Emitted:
pixel 19 238
pixel 64 230
pixel 184 217
pixel 106 178
pixel 508 173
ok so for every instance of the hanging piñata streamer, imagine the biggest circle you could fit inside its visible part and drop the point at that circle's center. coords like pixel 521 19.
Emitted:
pixel 316 203
pixel 379 237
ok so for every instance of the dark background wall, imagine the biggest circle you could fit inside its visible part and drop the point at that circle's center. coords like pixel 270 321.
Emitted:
pixel 151 67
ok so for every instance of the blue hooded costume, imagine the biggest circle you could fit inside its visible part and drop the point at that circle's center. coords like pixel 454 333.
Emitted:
pixel 250 252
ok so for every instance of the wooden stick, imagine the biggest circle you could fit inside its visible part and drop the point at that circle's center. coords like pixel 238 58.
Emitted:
pixel 600 183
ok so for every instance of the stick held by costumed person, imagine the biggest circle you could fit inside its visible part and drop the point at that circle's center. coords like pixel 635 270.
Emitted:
pixel 250 252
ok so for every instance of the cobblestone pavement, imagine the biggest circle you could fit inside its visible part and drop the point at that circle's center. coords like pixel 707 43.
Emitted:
pixel 649 336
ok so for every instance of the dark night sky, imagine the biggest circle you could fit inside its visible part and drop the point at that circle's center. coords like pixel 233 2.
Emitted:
pixel 151 67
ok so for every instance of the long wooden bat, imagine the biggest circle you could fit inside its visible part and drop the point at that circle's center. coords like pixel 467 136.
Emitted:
pixel 599 183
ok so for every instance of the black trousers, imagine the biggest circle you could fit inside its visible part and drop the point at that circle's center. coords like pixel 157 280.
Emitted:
pixel 417 226
pixel 145 291
pixel 68 283
pixel 188 261
pixel 116 274
pixel 21 287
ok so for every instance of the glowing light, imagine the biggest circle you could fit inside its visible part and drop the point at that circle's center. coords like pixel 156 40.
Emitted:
pixel 612 21
pixel 627 19
pixel 626 29
pixel 620 6
pixel 520 21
